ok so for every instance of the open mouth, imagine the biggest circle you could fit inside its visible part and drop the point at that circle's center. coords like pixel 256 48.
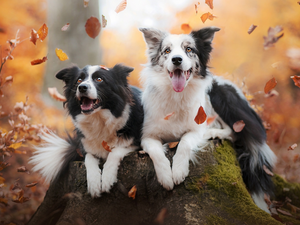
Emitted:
pixel 88 105
pixel 179 78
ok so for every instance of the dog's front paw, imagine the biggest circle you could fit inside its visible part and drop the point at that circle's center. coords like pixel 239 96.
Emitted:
pixel 94 183
pixel 108 179
pixel 164 174
pixel 180 170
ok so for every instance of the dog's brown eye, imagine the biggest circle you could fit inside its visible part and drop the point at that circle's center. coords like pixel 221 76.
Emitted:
pixel 79 81
pixel 167 51
pixel 188 49
pixel 98 79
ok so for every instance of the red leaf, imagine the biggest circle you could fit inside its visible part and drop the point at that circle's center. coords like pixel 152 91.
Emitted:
pixel 251 28
pixel 201 116
pixel 296 80
pixel 39 61
pixel 65 27
pixel 206 16
pixel 167 117
pixel 33 36
pixel 270 85
pixel 92 27
pixel 43 32
pixel 122 5
pixel 186 28
pixel 105 146
pixel 238 126
pixel 132 192
pixel 292 147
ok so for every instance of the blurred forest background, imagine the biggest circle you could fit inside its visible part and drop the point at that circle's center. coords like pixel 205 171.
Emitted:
pixel 26 107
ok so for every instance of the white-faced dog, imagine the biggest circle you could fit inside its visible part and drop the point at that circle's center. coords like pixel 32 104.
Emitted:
pixel 176 80
pixel 107 113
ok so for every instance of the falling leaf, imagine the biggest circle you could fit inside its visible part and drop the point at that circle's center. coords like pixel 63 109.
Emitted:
pixel 292 147
pixel 186 28
pixel 272 93
pixel 173 144
pixel 206 16
pixel 61 55
pixel 122 5
pixel 31 184
pixel 167 117
pixel 65 27
pixel 238 126
pixel 43 32
pixel 56 95
pixel 211 120
pixel 85 3
pixel 92 27
pixel 22 169
pixel 105 146
pixel 201 116
pixel 270 85
pixel 34 36
pixel 298 3
pixel 104 21
pixel 8 79
pixel 251 28
pixel 196 8
pixel 296 80
pixel 132 192
pixel 271 39
pixel 39 61
pixel 269 172
pixel 160 219
pixel 210 3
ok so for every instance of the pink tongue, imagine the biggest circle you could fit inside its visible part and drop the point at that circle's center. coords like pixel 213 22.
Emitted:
pixel 178 81
pixel 87 104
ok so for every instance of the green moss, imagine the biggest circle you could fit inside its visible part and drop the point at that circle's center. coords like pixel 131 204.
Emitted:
pixel 216 220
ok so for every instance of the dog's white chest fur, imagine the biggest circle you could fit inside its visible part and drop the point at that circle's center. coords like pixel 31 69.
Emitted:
pixel 102 126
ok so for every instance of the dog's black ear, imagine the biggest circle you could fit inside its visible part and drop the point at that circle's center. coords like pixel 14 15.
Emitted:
pixel 67 73
pixel 206 34
pixel 153 37
pixel 122 70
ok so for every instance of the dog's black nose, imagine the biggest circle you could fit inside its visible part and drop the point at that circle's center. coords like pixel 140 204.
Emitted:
pixel 83 88
pixel 176 60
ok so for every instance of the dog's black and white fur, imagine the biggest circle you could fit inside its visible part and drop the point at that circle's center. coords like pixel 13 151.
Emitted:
pixel 176 79
pixel 103 108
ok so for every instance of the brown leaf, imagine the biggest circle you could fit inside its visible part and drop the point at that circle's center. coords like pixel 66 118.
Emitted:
pixel 270 85
pixel 31 184
pixel 160 219
pixel 104 21
pixel 206 16
pixel 105 146
pixel 19 198
pixel 296 80
pixel 210 3
pixel 43 32
pixel 186 28
pixel 61 55
pixel 201 116
pixel 122 5
pixel 34 36
pixel 269 172
pixel 132 192
pixel 292 147
pixel 65 27
pixel 271 39
pixel 22 169
pixel 196 8
pixel 39 61
pixel 92 27
pixel 3 201
pixel 296 157
pixel 173 144
pixel 56 95
pixel 238 126
pixel 167 117
pixel 284 212
pixel 251 28
pixel 85 3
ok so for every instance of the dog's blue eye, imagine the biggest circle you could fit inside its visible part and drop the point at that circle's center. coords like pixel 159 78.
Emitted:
pixel 167 51
pixel 98 79
pixel 188 49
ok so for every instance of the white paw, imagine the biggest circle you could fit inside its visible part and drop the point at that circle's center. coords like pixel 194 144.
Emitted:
pixel 94 182
pixel 108 179
pixel 217 133
pixel 180 169
pixel 164 174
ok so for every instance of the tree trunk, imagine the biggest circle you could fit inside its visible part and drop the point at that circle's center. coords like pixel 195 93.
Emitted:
pixel 213 193
pixel 81 49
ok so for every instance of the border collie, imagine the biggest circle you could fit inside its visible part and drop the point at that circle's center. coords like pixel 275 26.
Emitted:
pixel 177 80
pixel 108 116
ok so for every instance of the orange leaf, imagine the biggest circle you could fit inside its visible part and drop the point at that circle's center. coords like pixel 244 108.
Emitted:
pixel 206 16
pixel 267 171
pixel 238 126
pixel 210 3
pixel 186 28
pixel 270 85
pixel 43 32
pixel 292 147
pixel 39 61
pixel 296 80
pixel 56 95
pixel 132 192
pixel 34 36
pixel 173 144
pixel 211 119
pixel 92 27
pixel 122 5
pixel 85 3
pixel 65 27
pixel 251 28
pixel 167 117
pixel 104 21
pixel 31 184
pixel 61 55
pixel 201 116
pixel 105 146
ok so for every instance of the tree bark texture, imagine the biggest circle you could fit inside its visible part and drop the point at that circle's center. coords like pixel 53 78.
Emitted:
pixel 195 201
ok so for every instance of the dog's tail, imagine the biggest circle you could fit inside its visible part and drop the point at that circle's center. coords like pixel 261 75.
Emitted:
pixel 53 156
pixel 255 157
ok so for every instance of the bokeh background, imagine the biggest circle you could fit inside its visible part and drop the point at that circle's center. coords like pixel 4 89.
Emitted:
pixel 237 55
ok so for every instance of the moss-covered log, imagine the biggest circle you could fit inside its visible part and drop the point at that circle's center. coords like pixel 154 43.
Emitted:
pixel 213 193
